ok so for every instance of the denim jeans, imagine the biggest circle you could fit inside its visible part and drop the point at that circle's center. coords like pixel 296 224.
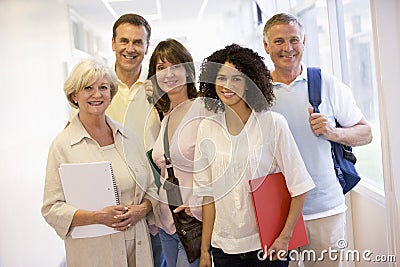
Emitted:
pixel 222 259
pixel 158 255
pixel 173 250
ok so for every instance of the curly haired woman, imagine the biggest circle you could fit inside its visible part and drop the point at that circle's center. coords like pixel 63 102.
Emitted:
pixel 243 142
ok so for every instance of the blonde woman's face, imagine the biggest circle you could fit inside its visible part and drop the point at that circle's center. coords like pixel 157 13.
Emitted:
pixel 94 99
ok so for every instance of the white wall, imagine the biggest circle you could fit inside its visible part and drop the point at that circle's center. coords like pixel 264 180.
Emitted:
pixel 385 13
pixel 34 45
pixel 370 229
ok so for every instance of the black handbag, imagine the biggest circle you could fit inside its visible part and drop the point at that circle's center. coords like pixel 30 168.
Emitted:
pixel 188 228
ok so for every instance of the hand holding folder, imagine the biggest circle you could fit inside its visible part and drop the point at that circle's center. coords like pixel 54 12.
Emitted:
pixel 271 201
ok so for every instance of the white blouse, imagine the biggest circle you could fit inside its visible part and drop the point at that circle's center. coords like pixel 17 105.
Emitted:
pixel 224 164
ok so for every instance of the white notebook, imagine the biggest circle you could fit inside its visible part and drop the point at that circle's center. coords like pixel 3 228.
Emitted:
pixel 89 186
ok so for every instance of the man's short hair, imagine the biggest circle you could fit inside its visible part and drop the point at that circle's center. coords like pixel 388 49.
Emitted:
pixel 133 19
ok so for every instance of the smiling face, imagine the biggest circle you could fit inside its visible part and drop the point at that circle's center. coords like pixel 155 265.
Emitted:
pixel 130 46
pixel 230 85
pixel 285 45
pixel 94 99
pixel 170 77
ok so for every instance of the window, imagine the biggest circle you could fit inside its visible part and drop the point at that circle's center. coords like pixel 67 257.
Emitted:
pixel 360 54
pixel 315 22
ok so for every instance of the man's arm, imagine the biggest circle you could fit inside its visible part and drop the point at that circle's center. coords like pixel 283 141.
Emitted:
pixel 356 135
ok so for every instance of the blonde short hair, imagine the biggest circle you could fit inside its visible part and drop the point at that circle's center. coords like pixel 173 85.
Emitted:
pixel 85 73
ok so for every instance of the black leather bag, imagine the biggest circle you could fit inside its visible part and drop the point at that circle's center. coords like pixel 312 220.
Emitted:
pixel 189 231
pixel 188 228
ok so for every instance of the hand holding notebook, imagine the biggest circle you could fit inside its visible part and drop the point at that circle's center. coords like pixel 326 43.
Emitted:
pixel 89 186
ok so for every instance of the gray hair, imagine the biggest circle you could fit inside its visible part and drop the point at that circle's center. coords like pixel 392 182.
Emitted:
pixel 282 18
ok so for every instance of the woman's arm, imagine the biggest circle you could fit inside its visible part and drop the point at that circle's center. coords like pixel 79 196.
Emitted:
pixel 280 246
pixel 208 226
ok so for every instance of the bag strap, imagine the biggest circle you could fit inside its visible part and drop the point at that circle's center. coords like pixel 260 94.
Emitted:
pixel 167 156
pixel 171 184
pixel 314 87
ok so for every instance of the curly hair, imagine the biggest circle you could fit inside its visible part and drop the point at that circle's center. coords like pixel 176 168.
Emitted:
pixel 257 75
pixel 174 52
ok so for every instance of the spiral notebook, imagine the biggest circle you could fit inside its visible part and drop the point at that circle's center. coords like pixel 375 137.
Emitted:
pixel 89 186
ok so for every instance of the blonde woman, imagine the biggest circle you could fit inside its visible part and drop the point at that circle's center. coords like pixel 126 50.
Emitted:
pixel 90 137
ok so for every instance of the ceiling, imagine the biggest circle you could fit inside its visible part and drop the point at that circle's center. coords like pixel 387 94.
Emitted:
pixel 101 14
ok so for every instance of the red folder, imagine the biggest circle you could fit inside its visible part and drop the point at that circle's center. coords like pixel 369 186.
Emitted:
pixel 271 201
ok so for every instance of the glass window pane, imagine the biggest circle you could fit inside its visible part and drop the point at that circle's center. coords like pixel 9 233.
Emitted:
pixel 315 22
pixel 360 54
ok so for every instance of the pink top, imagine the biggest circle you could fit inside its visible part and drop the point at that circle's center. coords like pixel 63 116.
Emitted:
pixel 182 146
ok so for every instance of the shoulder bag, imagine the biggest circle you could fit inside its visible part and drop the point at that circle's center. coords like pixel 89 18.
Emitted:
pixel 188 228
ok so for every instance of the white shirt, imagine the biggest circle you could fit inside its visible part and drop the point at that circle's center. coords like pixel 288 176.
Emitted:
pixel 336 102
pixel 224 164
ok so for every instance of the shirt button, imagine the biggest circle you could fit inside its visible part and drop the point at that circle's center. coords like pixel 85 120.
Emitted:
pixel 139 243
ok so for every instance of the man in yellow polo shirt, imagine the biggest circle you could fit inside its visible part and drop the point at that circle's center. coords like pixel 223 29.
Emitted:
pixel 130 42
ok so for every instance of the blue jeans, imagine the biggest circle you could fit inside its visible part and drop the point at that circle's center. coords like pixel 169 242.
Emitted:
pixel 174 252
pixel 222 259
pixel 158 255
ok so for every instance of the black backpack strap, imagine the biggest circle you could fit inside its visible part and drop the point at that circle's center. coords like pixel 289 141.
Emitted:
pixel 314 87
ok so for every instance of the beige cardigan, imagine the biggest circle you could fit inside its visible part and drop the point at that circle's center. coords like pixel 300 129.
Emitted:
pixel 75 145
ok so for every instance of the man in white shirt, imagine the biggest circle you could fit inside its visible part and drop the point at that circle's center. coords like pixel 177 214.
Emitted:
pixel 324 210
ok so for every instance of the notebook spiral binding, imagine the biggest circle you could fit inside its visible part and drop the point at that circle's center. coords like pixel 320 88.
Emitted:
pixel 114 185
